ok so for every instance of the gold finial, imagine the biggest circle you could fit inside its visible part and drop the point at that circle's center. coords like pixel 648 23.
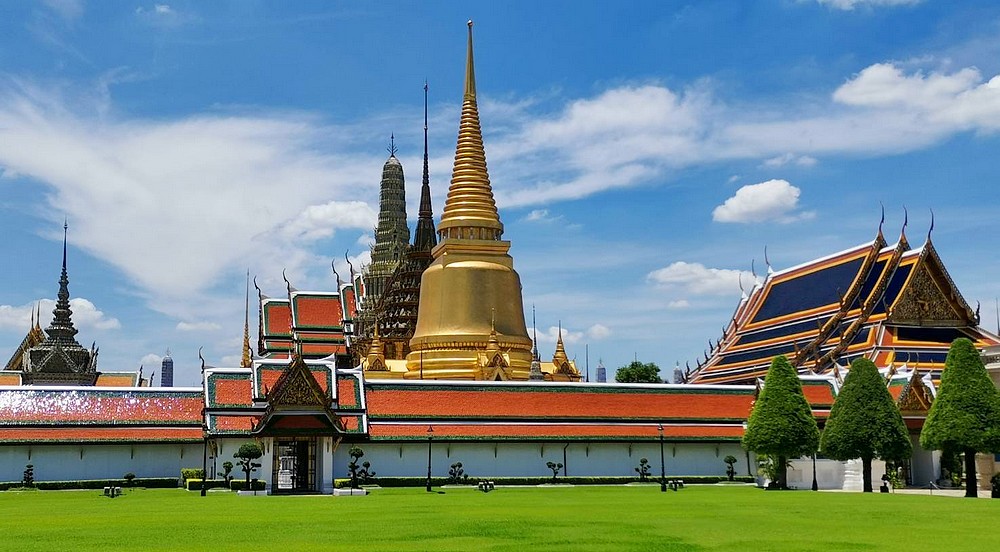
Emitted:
pixel 470 69
pixel 470 212
pixel 246 361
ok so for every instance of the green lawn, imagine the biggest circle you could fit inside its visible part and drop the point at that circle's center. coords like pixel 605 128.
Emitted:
pixel 558 518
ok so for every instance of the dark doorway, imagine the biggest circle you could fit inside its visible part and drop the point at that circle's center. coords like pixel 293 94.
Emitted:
pixel 294 468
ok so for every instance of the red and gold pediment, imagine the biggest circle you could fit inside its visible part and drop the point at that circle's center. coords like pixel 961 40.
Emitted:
pixel 915 398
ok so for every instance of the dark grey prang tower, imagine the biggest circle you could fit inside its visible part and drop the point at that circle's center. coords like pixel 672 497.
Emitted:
pixel 167 371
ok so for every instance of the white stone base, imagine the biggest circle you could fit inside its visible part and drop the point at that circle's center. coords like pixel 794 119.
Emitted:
pixel 350 492
pixel 252 493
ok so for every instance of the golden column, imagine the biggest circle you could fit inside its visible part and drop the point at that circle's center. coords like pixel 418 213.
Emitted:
pixel 470 323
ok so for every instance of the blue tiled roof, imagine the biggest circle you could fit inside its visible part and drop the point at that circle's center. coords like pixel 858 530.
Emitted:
pixel 817 289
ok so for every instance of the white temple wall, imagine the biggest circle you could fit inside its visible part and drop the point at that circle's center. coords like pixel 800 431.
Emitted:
pixel 492 459
pixel 97 461
pixel 925 465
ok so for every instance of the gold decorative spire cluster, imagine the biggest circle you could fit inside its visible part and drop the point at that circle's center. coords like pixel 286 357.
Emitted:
pixel 470 212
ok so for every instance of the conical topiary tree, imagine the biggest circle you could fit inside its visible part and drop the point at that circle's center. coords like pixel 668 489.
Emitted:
pixel 965 414
pixel 864 422
pixel 781 423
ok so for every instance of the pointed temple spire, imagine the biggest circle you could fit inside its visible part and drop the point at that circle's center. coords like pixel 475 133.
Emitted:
pixel 471 280
pixel 247 360
pixel 392 235
pixel 534 339
pixel 425 238
pixel 61 329
pixel 470 211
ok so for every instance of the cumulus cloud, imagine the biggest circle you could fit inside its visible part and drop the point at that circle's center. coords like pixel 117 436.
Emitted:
pixel 849 5
pixel 774 200
pixel 151 359
pixel 698 279
pixel 197 326
pixel 85 315
pixel 598 331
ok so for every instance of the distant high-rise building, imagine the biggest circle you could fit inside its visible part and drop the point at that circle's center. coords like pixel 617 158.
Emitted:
pixel 167 371
pixel 602 372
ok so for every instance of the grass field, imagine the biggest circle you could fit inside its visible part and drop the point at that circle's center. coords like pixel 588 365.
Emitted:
pixel 543 518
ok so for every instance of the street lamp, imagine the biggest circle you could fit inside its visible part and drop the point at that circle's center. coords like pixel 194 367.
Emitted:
pixel 663 468
pixel 204 463
pixel 430 439
pixel 815 483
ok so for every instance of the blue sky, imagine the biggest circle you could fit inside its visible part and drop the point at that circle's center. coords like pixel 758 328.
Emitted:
pixel 643 154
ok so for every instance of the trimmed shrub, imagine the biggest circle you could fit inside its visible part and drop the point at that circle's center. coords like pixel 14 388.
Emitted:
pixel 258 485
pixel 195 484
pixel 146 482
pixel 781 422
pixel 192 473
pixel 604 480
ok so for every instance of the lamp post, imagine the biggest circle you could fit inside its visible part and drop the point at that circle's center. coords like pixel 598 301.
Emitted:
pixel 815 483
pixel 430 439
pixel 204 464
pixel 663 464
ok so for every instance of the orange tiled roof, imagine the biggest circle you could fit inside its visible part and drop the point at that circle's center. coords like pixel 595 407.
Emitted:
pixel 388 430
pixel 394 400
pixel 29 406
pixel 117 379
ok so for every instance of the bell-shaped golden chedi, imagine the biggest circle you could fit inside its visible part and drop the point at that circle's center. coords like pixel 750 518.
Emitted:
pixel 470 295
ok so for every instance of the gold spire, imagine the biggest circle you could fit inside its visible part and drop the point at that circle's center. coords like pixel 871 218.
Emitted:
pixel 470 211
pixel 246 361
pixel 493 344
pixel 560 358
pixel 472 278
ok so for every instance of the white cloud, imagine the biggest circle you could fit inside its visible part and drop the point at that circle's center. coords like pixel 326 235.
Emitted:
pixel 151 360
pixel 598 331
pixel 197 326
pixel 69 10
pixel 698 279
pixel 678 304
pixel 320 221
pixel 542 216
pixel 204 192
pixel 790 158
pixel 162 9
pixel 86 316
pixel 849 5
pixel 774 200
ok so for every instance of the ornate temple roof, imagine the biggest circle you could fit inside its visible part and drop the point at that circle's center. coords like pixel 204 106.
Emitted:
pixel 892 304
pixel 59 359
pixel 317 319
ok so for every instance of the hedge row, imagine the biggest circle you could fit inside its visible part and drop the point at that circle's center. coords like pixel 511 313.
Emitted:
pixel 235 484
pixel 192 473
pixel 147 482
pixel 439 481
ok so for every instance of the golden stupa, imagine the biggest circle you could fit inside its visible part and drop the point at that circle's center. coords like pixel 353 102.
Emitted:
pixel 470 323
